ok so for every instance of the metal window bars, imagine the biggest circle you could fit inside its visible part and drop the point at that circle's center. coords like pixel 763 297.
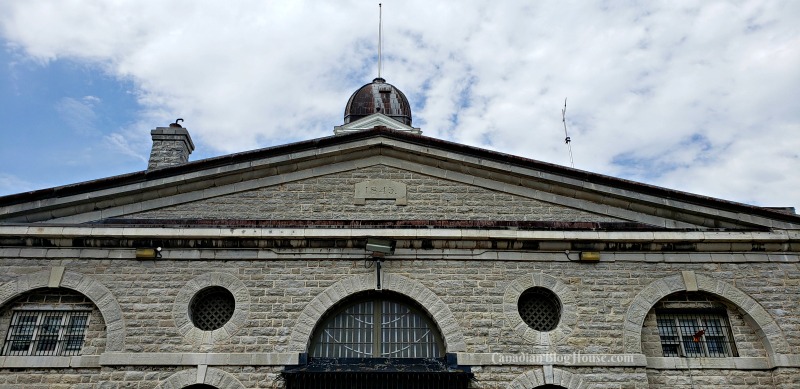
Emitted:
pixel 401 332
pixel 405 333
pixel 46 332
pixel 695 334
pixel 540 309
pixel 212 307
pixel 349 334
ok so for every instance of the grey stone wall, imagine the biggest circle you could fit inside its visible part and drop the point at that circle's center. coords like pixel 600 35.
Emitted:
pixel 517 377
pixel 331 197
pixel 278 291
pixel 137 377
pixel 37 378
pixel 713 378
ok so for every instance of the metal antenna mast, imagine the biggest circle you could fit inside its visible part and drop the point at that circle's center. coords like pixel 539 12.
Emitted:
pixel 567 139
pixel 380 40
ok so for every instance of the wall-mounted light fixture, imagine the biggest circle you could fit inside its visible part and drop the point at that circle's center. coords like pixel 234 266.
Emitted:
pixel 590 256
pixel 584 256
pixel 148 253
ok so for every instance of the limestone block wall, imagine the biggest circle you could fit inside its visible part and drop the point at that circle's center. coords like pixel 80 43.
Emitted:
pixel 715 378
pixel 332 197
pixel 176 377
pixel 39 378
pixel 276 293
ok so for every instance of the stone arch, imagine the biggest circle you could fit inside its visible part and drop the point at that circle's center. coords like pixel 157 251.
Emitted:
pixel 432 304
pixel 547 375
pixel 569 312
pixel 755 315
pixel 57 277
pixel 180 309
pixel 209 376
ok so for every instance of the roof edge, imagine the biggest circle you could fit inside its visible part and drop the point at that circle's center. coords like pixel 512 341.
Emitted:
pixel 333 140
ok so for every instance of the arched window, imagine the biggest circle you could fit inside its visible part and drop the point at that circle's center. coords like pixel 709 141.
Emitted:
pixel 381 325
pixel 378 339
pixel 50 322
pixel 693 325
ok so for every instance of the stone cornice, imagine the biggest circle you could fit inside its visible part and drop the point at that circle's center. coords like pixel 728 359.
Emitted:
pixel 476 234
pixel 412 243
pixel 355 254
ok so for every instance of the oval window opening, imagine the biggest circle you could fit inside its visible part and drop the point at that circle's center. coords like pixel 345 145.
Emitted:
pixel 540 309
pixel 211 308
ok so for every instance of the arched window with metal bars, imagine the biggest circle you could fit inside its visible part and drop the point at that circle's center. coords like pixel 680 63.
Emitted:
pixel 379 326
pixel 380 340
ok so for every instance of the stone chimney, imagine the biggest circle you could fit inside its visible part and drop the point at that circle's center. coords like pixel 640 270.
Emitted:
pixel 171 146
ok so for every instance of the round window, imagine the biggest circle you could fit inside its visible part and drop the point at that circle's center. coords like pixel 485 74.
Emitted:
pixel 540 309
pixel 211 308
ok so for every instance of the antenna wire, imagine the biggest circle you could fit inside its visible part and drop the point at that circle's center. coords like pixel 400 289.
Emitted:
pixel 567 139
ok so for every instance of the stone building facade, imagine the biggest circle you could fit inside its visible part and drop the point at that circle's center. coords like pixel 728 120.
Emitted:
pixel 260 270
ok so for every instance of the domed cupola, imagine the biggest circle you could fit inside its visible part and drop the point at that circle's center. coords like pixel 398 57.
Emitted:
pixel 378 97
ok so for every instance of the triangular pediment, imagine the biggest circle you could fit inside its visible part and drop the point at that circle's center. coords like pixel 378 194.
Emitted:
pixel 360 176
pixel 379 191
pixel 372 121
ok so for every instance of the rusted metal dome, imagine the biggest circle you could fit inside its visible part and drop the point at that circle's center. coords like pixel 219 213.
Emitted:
pixel 378 96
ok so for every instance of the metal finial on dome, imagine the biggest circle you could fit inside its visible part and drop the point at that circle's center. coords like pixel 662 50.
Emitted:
pixel 380 36
pixel 378 96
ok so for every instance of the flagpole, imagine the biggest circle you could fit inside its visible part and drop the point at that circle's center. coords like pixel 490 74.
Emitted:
pixel 698 336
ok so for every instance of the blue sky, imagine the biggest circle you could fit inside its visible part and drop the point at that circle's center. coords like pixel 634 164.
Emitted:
pixel 54 116
pixel 694 96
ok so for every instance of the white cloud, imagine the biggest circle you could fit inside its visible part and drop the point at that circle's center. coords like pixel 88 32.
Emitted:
pixel 13 184
pixel 78 114
pixel 698 96
pixel 123 143
pixel 91 100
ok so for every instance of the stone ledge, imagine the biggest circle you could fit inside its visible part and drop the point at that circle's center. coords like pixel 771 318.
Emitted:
pixel 733 363
pixel 704 237
pixel 552 359
pixel 785 360
pixel 194 359
pixel 465 359
pixel 268 254
pixel 40 361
